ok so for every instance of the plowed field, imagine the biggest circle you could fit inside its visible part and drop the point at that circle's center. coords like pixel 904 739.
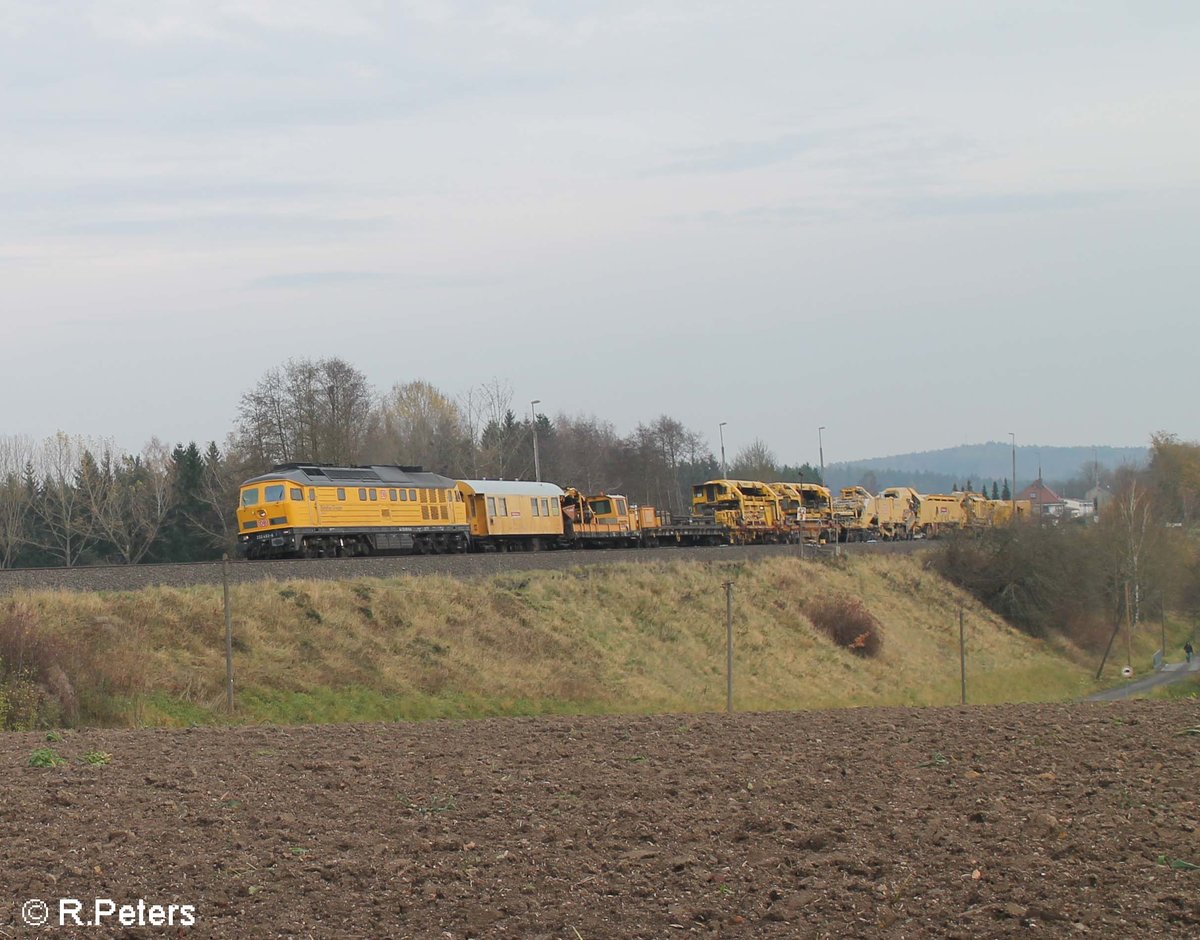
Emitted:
pixel 978 822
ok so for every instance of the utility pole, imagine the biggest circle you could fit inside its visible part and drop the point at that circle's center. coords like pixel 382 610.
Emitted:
pixel 228 635
pixel 1014 476
pixel 1128 630
pixel 724 468
pixel 537 465
pixel 729 647
pixel 821 453
pixel 962 652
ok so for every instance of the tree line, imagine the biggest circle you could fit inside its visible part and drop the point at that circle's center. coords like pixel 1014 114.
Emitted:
pixel 74 500
pixel 1137 561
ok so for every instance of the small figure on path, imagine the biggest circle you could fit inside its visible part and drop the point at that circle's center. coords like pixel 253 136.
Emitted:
pixel 1187 650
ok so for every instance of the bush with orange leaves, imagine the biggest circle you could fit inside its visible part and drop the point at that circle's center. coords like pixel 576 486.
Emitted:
pixel 847 622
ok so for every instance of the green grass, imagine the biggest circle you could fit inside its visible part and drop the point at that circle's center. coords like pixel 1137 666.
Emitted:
pixel 358 703
pixel 1188 688
pixel 626 638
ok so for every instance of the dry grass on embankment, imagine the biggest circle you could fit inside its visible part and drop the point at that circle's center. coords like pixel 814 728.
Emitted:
pixel 625 638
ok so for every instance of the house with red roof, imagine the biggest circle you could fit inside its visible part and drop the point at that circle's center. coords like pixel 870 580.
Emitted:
pixel 1045 501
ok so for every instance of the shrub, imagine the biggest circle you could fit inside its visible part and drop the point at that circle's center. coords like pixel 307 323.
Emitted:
pixel 46 757
pixel 847 622
pixel 1042 579
pixel 28 661
pixel 46 680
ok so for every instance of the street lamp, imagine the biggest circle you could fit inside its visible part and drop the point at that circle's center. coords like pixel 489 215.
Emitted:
pixel 821 450
pixel 537 465
pixel 721 431
pixel 1014 476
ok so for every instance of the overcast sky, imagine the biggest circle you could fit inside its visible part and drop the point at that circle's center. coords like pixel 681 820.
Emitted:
pixel 917 224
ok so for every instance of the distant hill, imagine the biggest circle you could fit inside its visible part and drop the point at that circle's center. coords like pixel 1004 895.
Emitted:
pixel 938 470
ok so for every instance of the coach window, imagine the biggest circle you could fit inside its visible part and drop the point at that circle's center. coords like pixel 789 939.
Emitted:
pixel 491 505
pixel 297 494
pixel 533 502
pixel 503 506
pixel 341 494
pixel 545 507
pixel 554 505
pixel 250 497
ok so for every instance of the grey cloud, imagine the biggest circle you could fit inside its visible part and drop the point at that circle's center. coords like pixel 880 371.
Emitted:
pixel 226 226
pixel 158 192
pixel 782 214
pixel 315 279
pixel 332 278
pixel 1002 203
pixel 737 156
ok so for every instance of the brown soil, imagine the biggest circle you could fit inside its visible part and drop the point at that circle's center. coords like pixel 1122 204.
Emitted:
pixel 982 822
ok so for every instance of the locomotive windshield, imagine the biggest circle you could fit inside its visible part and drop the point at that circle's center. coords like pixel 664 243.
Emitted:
pixel 250 496
pixel 274 493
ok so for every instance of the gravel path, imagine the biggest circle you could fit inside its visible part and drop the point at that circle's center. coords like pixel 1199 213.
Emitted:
pixel 132 578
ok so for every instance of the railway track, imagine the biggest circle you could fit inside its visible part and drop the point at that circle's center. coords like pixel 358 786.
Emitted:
pixel 136 577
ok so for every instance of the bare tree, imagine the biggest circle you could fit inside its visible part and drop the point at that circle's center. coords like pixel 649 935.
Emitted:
pixel 589 454
pixel 500 435
pixel 264 424
pixel 663 449
pixel 217 494
pixel 1131 519
pixel 1174 474
pixel 306 410
pixel 66 530
pixel 756 461
pixel 420 425
pixel 128 498
pixel 16 497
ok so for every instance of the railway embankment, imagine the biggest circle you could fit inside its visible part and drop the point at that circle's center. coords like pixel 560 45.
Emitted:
pixel 646 636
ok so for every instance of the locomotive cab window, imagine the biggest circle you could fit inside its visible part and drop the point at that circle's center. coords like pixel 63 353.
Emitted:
pixel 297 494
pixel 250 497
pixel 341 494
pixel 312 495
pixel 273 493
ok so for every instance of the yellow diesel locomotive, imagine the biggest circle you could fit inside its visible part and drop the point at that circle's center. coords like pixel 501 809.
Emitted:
pixel 316 511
